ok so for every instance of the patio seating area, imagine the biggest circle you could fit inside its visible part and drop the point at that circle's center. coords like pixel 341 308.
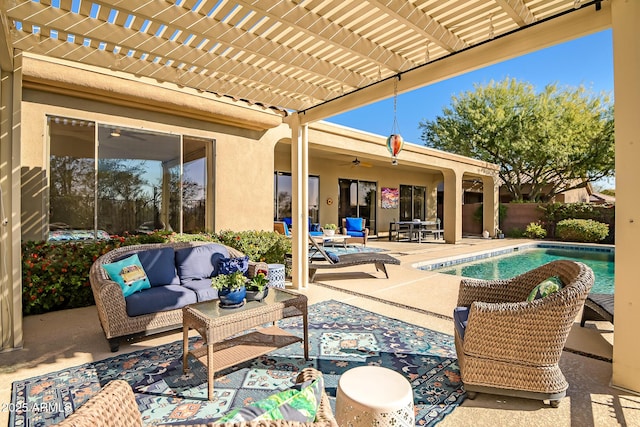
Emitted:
pixel 58 340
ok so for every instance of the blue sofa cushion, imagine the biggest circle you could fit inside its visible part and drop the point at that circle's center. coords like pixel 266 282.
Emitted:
pixel 460 318
pixel 160 266
pixel 203 289
pixel 129 274
pixel 159 298
pixel 353 224
pixel 199 262
pixel 231 265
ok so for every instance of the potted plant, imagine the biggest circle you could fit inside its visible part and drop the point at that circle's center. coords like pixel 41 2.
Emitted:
pixel 329 229
pixel 257 288
pixel 231 289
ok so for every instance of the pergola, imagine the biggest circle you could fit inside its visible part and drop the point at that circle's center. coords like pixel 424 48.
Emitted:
pixel 316 59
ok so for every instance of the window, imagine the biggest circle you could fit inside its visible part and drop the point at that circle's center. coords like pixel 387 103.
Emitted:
pixel 412 202
pixel 358 199
pixel 119 180
pixel 283 196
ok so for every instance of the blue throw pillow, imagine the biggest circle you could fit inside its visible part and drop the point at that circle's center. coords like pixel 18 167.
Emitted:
pixel 129 274
pixel 231 265
pixel 353 224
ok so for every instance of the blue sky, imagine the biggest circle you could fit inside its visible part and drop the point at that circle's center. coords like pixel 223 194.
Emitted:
pixel 586 61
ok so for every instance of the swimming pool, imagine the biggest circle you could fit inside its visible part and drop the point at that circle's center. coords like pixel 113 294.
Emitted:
pixel 520 260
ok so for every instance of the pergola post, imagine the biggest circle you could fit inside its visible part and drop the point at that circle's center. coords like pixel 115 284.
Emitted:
pixel 625 16
pixel 299 202
pixel 10 221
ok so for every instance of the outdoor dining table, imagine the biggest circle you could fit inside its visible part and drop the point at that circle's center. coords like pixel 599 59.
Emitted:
pixel 413 230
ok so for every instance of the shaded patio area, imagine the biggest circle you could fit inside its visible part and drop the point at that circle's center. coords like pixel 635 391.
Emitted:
pixel 63 339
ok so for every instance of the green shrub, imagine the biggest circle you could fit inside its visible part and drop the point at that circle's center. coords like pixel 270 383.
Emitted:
pixel 535 231
pixel 266 246
pixel 515 233
pixel 581 230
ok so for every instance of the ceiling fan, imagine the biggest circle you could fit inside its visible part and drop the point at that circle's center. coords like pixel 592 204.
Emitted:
pixel 357 162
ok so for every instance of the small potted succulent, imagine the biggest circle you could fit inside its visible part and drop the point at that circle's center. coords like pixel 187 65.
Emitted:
pixel 231 289
pixel 329 229
pixel 257 288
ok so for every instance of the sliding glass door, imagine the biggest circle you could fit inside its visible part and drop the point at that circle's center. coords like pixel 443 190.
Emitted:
pixel 358 199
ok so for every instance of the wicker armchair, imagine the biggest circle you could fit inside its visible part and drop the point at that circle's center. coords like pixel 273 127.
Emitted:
pixel 116 323
pixel 114 406
pixel 512 347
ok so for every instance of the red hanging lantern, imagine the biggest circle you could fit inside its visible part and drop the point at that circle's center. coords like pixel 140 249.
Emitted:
pixel 394 145
pixel 395 140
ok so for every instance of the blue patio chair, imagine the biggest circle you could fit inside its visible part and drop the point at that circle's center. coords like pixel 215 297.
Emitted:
pixel 356 228
pixel 314 229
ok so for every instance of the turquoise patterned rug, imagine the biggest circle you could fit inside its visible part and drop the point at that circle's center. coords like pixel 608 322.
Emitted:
pixel 341 337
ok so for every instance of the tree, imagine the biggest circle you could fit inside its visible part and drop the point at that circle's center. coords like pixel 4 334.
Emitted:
pixel 545 143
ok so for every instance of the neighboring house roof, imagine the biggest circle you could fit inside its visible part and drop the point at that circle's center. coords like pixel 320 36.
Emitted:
pixel 601 198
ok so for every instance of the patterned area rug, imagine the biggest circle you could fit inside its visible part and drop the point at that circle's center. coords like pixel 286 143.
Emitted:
pixel 341 337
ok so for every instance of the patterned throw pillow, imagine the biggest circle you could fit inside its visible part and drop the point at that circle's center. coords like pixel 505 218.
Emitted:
pixel 129 274
pixel 231 265
pixel 299 403
pixel 545 288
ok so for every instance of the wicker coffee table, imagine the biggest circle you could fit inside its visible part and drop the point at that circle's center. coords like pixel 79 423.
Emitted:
pixel 216 325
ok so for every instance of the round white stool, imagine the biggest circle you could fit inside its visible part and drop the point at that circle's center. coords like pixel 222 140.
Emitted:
pixel 374 396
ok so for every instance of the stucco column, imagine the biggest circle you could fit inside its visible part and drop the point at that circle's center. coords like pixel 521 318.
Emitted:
pixel 432 198
pixel 452 206
pixel 490 204
pixel 625 16
pixel 299 202
pixel 10 222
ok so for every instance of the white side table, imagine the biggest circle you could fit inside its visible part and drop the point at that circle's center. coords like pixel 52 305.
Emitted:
pixel 374 396
pixel 276 276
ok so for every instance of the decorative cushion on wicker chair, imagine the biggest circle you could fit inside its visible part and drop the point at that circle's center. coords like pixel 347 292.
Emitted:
pixel 497 338
pixel 299 403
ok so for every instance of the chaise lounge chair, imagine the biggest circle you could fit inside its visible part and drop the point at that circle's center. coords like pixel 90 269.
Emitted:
pixel 598 307
pixel 332 261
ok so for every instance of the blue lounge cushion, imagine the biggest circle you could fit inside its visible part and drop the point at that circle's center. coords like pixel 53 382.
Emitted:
pixel 159 298
pixel 333 257
pixel 199 262
pixel 231 265
pixel 160 266
pixel 460 319
pixel 299 403
pixel 129 274
pixel 353 224
pixel 203 289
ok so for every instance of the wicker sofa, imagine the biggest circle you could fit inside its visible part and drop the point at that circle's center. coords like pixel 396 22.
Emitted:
pixel 510 346
pixel 158 308
pixel 115 406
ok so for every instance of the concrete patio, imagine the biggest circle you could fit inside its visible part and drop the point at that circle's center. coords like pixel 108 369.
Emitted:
pixel 62 339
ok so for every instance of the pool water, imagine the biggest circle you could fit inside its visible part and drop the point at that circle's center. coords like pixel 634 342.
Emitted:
pixel 511 265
